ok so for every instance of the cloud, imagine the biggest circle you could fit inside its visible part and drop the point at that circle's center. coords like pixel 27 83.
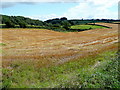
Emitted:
pixel 10 3
pixel 45 17
pixel 93 9
pixel 84 9
pixel 6 4
pixel 87 10
pixel 27 2
pixel 43 0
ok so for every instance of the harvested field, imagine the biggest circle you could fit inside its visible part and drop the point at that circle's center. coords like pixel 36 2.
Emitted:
pixel 55 47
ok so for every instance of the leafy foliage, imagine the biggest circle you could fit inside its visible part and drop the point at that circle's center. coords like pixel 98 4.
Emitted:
pixel 66 24
pixel 20 20
pixel 22 25
pixel 9 24
pixel 57 24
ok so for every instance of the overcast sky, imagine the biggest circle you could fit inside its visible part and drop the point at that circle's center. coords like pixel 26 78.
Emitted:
pixel 72 9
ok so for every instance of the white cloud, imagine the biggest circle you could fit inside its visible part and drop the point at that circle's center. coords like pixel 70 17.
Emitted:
pixel 87 10
pixel 45 17
pixel 42 0
pixel 84 9
pixel 93 9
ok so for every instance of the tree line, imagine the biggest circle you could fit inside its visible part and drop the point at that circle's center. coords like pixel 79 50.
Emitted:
pixel 56 24
pixel 19 21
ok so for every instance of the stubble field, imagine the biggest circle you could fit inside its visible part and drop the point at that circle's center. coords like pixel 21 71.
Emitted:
pixel 34 44
pixel 40 48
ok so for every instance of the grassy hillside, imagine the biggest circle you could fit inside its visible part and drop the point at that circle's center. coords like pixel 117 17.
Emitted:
pixel 100 71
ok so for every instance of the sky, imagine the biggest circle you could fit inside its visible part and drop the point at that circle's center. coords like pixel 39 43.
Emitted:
pixel 72 9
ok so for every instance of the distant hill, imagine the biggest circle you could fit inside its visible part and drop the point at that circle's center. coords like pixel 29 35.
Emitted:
pixel 17 20
pixel 80 21
pixel 57 24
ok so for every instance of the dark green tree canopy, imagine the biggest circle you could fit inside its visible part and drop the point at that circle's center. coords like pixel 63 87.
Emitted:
pixel 18 19
pixel 63 18
pixel 66 24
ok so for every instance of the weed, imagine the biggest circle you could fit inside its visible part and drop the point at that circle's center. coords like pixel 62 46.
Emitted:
pixel 2 44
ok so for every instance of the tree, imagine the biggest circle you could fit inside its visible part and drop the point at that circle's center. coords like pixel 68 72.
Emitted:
pixel 66 24
pixel 93 21
pixel 22 25
pixel 56 25
pixel 9 24
pixel 63 18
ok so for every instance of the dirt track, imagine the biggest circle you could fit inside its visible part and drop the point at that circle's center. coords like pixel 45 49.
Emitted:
pixel 35 44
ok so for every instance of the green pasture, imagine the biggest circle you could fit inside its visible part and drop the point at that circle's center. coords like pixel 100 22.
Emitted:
pixel 86 27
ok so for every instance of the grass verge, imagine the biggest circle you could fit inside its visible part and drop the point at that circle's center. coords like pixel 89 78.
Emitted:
pixel 100 71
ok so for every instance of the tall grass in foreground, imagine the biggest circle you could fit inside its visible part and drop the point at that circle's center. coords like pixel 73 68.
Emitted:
pixel 100 71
